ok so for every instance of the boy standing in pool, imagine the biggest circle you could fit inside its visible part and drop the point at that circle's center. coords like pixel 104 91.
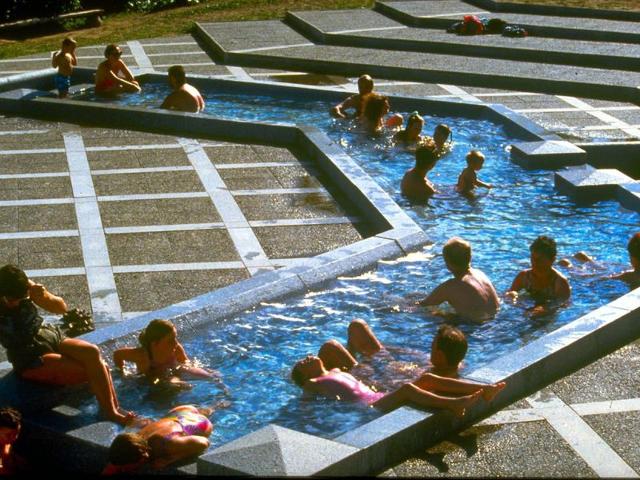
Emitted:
pixel 64 60
pixel 468 179
pixel 469 292
pixel 415 185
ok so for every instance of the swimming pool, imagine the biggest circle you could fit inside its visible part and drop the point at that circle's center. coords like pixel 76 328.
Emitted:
pixel 500 225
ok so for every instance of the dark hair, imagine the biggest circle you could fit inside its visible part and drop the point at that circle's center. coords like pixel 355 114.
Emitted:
pixel 365 82
pixel 112 49
pixel 297 376
pixel 374 107
pixel 545 245
pixel 426 156
pixel 457 252
pixel 441 127
pixel 13 282
pixel 177 72
pixel 68 41
pixel 452 343
pixel 128 448
pixel 155 330
pixel 10 418
pixel 474 155
pixel 634 246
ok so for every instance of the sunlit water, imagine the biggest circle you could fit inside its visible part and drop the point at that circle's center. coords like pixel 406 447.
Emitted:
pixel 255 351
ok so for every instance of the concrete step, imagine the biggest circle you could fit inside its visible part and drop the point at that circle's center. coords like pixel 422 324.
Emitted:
pixel 369 29
pixel 231 42
pixel 441 14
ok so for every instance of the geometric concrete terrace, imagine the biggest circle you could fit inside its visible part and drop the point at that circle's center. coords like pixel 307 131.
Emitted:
pixel 157 215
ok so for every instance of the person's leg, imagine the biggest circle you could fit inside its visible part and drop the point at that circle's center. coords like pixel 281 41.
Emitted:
pixel 432 382
pixel 362 339
pixel 56 370
pixel 98 376
pixel 411 393
pixel 334 355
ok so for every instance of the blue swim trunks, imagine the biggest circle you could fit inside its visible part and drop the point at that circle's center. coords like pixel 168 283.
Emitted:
pixel 62 83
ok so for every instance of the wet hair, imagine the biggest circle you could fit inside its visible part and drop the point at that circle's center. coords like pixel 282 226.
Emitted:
pixel 474 156
pixel 365 82
pixel 10 418
pixel 444 129
pixel 426 156
pixel 457 252
pixel 13 282
pixel 128 448
pixel 634 246
pixel 297 376
pixel 112 49
pixel 413 118
pixel 374 108
pixel 155 330
pixel 452 343
pixel 68 41
pixel 545 245
pixel 177 72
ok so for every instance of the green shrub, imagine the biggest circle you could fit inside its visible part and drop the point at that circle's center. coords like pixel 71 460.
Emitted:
pixel 14 10
pixel 155 5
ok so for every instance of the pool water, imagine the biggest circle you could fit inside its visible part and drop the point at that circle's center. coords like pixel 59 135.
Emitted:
pixel 255 351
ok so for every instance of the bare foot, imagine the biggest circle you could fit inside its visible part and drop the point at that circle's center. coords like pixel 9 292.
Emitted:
pixel 490 391
pixel 459 405
pixel 125 418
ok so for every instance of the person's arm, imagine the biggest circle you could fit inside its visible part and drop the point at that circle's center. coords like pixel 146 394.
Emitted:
pixel 127 354
pixel 339 110
pixel 562 287
pixel 181 355
pixel 127 73
pixel 438 296
pixel 74 59
pixel 45 299
pixel 179 448
pixel 480 183
pixel 517 285
pixel 54 60
pixel 168 102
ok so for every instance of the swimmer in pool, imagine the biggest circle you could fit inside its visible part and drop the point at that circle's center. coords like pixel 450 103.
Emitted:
pixel 113 76
pixel 441 136
pixel 354 102
pixel 412 133
pixel 468 179
pixel 415 185
pixel 469 292
pixel 632 277
pixel 185 97
pixel 182 434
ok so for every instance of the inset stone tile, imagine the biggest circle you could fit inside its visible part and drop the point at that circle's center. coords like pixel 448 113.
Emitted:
pixel 147 158
pixel 140 183
pixel 295 177
pixel 73 289
pixel 158 212
pixel 564 120
pixel 177 59
pixel 632 117
pixel 141 292
pixel 39 253
pixel 33 188
pixel 305 240
pixel 305 79
pixel 50 139
pixel 171 247
pixel 527 101
pixel 33 163
pixel 414 90
pixel 38 217
pixel 274 154
pixel 234 154
pixel 248 179
pixel 269 207
pixel 530 449
pixel 622 432
pixel 172 49
pixel 114 138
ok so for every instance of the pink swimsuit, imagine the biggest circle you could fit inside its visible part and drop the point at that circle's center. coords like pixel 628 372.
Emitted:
pixel 345 387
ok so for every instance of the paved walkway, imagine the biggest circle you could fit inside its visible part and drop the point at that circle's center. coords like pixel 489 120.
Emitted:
pixel 152 235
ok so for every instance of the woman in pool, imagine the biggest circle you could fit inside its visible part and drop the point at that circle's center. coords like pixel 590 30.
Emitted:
pixel 411 134
pixel 543 282
pixel 41 352
pixel 182 434
pixel 375 108
pixel 113 76
pixel 160 355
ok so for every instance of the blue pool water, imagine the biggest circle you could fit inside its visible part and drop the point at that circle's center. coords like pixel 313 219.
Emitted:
pixel 255 351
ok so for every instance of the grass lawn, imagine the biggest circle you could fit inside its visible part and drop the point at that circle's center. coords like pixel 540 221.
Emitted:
pixel 130 26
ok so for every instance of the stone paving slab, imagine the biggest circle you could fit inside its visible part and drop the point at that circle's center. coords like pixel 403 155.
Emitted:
pixel 235 39
pixel 30 218
pixel 31 188
pixel 158 212
pixel 499 451
pixel 38 253
pixel 258 34
pixel 302 205
pixel 33 163
pixel 147 291
pixel 417 90
pixel 425 9
pixel 136 158
pixel 154 182
pixel 621 431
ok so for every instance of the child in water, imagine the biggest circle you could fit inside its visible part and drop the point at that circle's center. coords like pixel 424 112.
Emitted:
pixel 441 136
pixel 468 179
pixel 64 60
pixel 160 355
pixel 632 277
pixel 415 185
pixel 412 132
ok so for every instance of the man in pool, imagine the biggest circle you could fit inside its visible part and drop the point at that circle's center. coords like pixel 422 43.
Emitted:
pixel 415 185
pixel 185 97
pixel 632 277
pixel 469 292
pixel 355 102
